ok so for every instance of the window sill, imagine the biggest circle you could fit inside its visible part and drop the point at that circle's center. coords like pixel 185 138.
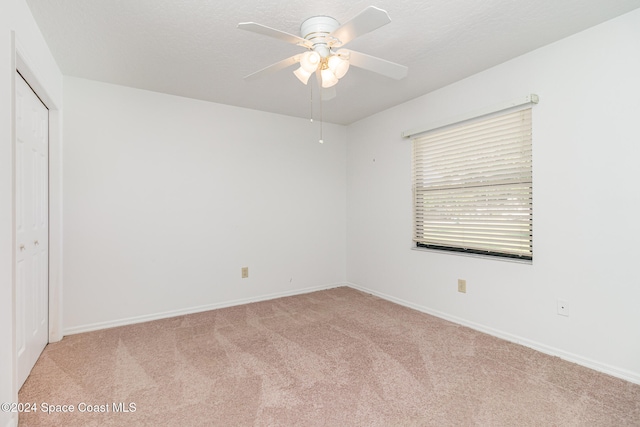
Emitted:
pixel 465 254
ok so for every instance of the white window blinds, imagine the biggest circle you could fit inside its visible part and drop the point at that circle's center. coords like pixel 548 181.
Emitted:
pixel 472 187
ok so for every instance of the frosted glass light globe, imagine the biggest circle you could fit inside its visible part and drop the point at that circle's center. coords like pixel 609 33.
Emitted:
pixel 328 78
pixel 338 65
pixel 309 61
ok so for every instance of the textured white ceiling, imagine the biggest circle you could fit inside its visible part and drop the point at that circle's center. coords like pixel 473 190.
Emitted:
pixel 192 48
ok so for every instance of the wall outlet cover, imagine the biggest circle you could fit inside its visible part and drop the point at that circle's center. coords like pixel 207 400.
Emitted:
pixel 462 286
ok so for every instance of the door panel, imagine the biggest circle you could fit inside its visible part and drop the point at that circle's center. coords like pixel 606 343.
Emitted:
pixel 32 227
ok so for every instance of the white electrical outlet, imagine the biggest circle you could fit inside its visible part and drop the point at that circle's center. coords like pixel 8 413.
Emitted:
pixel 563 308
pixel 462 286
pixel 245 272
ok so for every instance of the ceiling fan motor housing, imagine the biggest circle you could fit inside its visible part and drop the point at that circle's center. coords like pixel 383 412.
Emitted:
pixel 317 30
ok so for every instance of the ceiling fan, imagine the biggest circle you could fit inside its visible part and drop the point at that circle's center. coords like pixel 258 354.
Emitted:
pixel 324 38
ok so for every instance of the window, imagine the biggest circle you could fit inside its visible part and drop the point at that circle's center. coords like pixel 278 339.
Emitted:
pixel 472 187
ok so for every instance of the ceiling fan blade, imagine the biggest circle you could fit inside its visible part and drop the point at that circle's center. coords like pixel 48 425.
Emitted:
pixel 368 20
pixel 281 65
pixel 272 32
pixel 377 65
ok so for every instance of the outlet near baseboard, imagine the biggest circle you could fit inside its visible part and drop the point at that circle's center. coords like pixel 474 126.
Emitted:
pixel 462 286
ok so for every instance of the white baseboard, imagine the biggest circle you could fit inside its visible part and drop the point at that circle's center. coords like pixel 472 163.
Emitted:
pixel 190 310
pixel 543 348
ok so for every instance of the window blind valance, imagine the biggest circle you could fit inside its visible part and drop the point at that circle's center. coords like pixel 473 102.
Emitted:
pixel 525 101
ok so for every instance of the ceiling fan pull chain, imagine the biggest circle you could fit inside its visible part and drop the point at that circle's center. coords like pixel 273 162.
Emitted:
pixel 311 104
pixel 321 140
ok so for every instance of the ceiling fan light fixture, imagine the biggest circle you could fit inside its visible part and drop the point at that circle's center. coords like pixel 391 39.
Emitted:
pixel 328 78
pixel 322 50
pixel 320 35
pixel 309 61
pixel 302 75
pixel 338 65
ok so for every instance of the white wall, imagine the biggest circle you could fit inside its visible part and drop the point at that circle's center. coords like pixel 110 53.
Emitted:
pixel 15 17
pixel 586 199
pixel 166 198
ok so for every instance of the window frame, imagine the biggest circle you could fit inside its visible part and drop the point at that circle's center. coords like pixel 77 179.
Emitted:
pixel 525 206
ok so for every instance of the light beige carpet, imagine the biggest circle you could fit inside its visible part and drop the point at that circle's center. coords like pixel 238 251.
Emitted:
pixel 332 358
